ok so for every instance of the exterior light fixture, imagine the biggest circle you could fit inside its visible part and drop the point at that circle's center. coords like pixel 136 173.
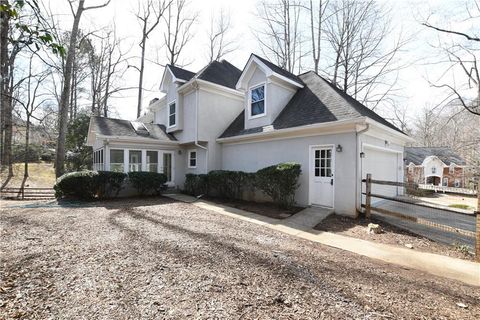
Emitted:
pixel 362 154
pixel 339 148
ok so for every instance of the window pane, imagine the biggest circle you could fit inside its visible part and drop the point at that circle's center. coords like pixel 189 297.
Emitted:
pixel 171 120
pixel 317 172
pixel 167 165
pixel 258 94
pixel 329 163
pixel 152 161
pixel 258 108
pixel 329 172
pixel 322 172
pixel 135 159
pixel 329 153
pixel 317 153
pixel 172 108
pixel 116 160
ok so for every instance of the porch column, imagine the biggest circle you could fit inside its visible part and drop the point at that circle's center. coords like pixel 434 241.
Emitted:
pixel 160 162
pixel 144 160
pixel 106 158
pixel 126 161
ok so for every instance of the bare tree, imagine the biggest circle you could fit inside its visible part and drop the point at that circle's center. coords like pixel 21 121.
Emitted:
pixel 279 35
pixel 219 44
pixel 149 15
pixel 318 17
pixel 363 66
pixel 65 95
pixel 178 31
pixel 463 55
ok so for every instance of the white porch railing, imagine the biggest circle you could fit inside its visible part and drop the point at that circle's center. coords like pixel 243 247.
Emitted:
pixel 447 189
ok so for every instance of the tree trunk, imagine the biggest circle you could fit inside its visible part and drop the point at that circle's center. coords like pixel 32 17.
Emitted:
pixel 142 66
pixel 63 107
pixel 27 143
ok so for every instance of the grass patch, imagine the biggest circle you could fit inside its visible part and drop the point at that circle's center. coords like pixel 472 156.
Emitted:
pixel 41 175
pixel 460 206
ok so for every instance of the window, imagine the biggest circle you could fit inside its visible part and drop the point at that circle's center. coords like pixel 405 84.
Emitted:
pixel 457 183
pixel 323 163
pixel 410 168
pixel 192 159
pixel 167 166
pixel 98 160
pixel 152 161
pixel 172 114
pixel 452 168
pixel 445 182
pixel 135 160
pixel 116 160
pixel 257 101
pixel 434 170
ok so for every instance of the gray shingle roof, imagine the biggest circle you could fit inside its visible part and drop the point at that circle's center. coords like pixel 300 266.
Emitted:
pixel 317 102
pixel 416 155
pixel 118 127
pixel 222 73
pixel 280 70
pixel 180 73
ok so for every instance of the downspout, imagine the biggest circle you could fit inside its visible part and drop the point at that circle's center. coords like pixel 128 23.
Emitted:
pixel 196 87
pixel 357 134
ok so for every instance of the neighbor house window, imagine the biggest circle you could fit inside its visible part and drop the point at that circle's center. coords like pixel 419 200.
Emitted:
pixel 152 161
pixel 116 160
pixel 167 166
pixel 445 182
pixel 172 114
pixel 257 101
pixel 434 170
pixel 135 160
pixel 192 159
pixel 457 183
pixel 452 168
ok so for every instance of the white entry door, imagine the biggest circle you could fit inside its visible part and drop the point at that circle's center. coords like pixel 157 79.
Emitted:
pixel 322 176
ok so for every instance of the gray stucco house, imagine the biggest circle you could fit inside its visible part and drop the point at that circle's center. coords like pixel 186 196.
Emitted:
pixel 225 118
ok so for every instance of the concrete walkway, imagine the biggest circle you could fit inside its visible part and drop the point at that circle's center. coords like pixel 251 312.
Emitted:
pixel 458 269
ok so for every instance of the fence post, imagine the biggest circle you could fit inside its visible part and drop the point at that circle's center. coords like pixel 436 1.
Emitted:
pixel 477 228
pixel 23 193
pixel 368 191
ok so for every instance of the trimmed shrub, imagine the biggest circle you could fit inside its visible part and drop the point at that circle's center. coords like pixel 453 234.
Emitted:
pixel 279 182
pixel 108 183
pixel 147 182
pixel 228 184
pixel 196 184
pixel 80 184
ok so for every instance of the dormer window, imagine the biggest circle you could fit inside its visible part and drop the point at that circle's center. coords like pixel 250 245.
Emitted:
pixel 172 114
pixel 257 101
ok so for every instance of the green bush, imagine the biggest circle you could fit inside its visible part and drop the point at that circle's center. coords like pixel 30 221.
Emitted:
pixel 228 184
pixel 147 182
pixel 279 182
pixel 48 157
pixel 196 184
pixel 109 183
pixel 80 184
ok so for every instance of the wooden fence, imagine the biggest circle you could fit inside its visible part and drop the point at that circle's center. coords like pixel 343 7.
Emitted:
pixel 419 220
pixel 448 189
pixel 26 193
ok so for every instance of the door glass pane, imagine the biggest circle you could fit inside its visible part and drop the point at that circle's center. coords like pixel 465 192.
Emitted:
pixel 116 160
pixel 167 165
pixel 135 159
pixel 152 161
pixel 317 172
pixel 329 153
pixel 323 163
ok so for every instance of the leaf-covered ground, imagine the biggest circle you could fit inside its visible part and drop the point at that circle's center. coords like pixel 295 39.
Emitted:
pixel 159 259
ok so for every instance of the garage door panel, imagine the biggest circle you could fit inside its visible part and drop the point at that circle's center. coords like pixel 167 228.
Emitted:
pixel 382 165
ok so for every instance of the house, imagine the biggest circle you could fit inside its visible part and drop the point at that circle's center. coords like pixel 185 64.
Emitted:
pixel 439 166
pixel 225 118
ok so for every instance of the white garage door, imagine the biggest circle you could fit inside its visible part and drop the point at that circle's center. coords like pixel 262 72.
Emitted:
pixel 383 165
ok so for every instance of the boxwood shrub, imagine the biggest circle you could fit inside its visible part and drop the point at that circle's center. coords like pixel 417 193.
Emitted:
pixel 80 184
pixel 109 183
pixel 147 182
pixel 279 182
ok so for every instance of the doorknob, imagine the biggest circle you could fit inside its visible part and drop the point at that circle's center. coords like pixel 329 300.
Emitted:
pixel 331 182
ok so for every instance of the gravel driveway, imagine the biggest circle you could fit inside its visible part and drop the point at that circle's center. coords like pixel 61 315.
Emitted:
pixel 160 259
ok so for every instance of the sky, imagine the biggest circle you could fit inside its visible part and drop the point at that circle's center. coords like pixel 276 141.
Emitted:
pixel 414 81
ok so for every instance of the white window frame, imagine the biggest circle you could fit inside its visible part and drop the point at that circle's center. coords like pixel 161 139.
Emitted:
pixel 445 182
pixel 190 158
pixel 264 85
pixel 176 114
pixel 457 183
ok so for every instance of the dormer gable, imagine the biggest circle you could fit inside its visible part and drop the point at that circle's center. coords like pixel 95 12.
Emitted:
pixel 173 74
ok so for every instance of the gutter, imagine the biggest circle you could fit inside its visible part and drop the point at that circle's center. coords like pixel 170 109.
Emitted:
pixel 357 134
pixel 196 87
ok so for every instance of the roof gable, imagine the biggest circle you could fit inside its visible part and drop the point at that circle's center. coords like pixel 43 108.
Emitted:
pixel 222 73
pixel 417 155
pixel 270 70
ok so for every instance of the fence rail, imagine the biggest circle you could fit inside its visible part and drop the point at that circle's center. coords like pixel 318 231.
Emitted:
pixel 27 193
pixel 410 214
pixel 448 189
